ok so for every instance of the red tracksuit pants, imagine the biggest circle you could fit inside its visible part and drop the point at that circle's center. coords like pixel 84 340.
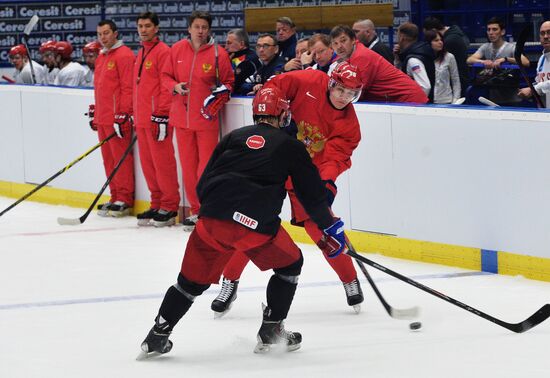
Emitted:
pixel 195 149
pixel 158 164
pixel 122 184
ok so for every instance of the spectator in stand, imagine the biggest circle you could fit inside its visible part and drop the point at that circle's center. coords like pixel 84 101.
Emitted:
pixel 296 63
pixel 320 55
pixel 112 111
pixel 455 42
pixel 47 50
pixel 415 58
pixel 271 64
pixel 243 59
pixel 286 37
pixel 492 55
pixel 19 57
pixel 447 80
pixel 71 74
pixel 90 51
pixel 382 82
pixel 198 72
pixel 542 85
pixel 365 32
pixel 151 109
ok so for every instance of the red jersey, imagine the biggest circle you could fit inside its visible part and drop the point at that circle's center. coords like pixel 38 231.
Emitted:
pixel 198 70
pixel 150 97
pixel 330 135
pixel 113 83
pixel 382 82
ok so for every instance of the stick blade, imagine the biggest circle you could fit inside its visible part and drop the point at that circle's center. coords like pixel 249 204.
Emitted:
pixel 405 313
pixel 31 24
pixel 487 102
pixel 69 221
pixel 520 44
pixel 538 317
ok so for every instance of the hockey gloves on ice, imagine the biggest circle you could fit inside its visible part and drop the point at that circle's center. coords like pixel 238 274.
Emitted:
pixel 213 103
pixel 160 127
pixel 122 124
pixel 91 114
pixel 334 239
pixel 331 190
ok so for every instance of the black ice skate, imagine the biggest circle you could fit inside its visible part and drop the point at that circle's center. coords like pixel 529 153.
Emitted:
pixel 119 209
pixel 164 218
pixel 190 222
pixel 103 209
pixel 145 218
pixel 223 302
pixel 272 334
pixel 156 341
pixel 354 294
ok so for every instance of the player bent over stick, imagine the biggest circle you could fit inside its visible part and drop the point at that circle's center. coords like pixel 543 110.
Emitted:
pixel 242 191
pixel 327 125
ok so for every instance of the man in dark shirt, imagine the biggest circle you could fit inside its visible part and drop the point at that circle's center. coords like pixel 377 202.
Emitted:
pixel 286 36
pixel 365 32
pixel 242 191
pixel 243 59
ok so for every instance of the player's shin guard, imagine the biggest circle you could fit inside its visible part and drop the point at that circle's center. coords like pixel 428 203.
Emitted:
pixel 281 289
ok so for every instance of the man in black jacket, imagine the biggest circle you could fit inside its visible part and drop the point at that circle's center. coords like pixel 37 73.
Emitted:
pixel 241 192
pixel 365 32
pixel 243 59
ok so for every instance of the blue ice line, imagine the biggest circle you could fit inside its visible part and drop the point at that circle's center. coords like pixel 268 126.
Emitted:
pixel 212 291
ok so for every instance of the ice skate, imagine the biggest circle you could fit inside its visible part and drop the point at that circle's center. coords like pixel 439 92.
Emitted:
pixel 164 218
pixel 354 295
pixel 223 302
pixel 146 218
pixel 103 209
pixel 119 209
pixel 190 222
pixel 156 342
pixel 273 335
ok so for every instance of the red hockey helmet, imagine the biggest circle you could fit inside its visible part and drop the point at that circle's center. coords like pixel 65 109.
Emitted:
pixel 271 102
pixel 18 50
pixel 64 48
pixel 346 76
pixel 47 46
pixel 92 47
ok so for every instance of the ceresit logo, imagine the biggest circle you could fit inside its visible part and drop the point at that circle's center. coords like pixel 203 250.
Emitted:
pixel 255 142
pixel 244 220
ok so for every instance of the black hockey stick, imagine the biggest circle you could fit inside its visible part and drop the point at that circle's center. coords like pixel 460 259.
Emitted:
pixel 518 52
pixel 62 170
pixel 82 219
pixel 33 21
pixel 396 313
pixel 218 82
pixel 538 317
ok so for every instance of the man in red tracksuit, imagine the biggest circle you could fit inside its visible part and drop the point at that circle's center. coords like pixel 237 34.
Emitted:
pixel 326 123
pixel 112 112
pixel 382 82
pixel 151 109
pixel 198 72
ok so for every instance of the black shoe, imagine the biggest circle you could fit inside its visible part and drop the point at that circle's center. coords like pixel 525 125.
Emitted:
pixel 190 222
pixel 145 218
pixel 119 209
pixel 273 332
pixel 103 209
pixel 165 218
pixel 157 339
pixel 223 302
pixel 354 294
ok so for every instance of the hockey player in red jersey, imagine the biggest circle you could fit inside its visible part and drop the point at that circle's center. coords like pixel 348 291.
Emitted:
pixel 240 207
pixel 326 124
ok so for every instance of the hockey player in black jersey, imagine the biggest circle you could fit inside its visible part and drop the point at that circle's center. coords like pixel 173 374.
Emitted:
pixel 241 192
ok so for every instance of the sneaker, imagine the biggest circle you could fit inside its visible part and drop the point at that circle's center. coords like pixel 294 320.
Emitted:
pixel 273 333
pixel 223 302
pixel 354 294
pixel 165 218
pixel 157 338
pixel 103 209
pixel 190 222
pixel 119 209
pixel 145 218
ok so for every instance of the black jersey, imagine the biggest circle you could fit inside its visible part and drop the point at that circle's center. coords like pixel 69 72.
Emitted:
pixel 246 174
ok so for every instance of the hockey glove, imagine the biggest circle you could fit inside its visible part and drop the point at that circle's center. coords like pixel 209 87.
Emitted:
pixel 334 239
pixel 122 124
pixel 91 114
pixel 331 190
pixel 213 103
pixel 160 127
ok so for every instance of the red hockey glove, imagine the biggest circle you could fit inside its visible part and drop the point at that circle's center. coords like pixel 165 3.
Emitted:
pixel 122 124
pixel 331 190
pixel 334 239
pixel 91 114
pixel 213 103
pixel 160 127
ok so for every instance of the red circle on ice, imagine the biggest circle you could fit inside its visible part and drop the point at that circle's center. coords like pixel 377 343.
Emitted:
pixel 255 142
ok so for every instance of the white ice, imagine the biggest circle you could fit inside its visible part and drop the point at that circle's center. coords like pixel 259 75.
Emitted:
pixel 76 301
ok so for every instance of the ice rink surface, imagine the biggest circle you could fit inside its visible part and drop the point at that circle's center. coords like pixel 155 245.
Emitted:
pixel 76 301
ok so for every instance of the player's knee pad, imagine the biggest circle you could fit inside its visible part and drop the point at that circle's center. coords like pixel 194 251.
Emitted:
pixel 190 289
pixel 290 273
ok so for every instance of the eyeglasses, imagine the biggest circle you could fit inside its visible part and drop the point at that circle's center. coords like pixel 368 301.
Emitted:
pixel 264 46
pixel 545 32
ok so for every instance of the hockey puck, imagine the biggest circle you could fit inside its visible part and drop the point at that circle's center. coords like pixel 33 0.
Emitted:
pixel 415 326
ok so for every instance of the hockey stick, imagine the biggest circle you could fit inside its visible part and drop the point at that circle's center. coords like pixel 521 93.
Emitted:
pixel 538 317
pixel 218 82
pixel 486 101
pixel 62 170
pixel 82 219
pixel 396 313
pixel 518 52
pixel 8 79
pixel 33 21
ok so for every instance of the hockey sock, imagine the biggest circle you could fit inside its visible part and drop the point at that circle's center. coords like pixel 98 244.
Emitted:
pixel 281 288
